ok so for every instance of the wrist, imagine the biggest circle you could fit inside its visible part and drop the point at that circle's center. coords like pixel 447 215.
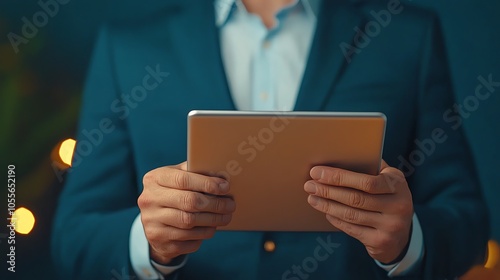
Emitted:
pixel 158 258
pixel 403 252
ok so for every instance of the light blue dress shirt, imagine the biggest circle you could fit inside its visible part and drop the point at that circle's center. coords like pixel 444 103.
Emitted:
pixel 264 69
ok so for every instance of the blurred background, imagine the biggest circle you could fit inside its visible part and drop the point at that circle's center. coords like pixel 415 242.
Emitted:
pixel 43 62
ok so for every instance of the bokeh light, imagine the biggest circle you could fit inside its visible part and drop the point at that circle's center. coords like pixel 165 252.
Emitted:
pixel 493 255
pixel 66 151
pixel 24 220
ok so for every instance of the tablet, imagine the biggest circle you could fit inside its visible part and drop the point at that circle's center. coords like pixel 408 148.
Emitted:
pixel 267 156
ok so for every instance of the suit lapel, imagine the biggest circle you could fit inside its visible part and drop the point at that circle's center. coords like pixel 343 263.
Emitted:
pixel 199 46
pixel 335 25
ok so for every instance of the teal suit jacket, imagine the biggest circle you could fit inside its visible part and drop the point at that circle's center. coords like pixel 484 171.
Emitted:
pixel 126 131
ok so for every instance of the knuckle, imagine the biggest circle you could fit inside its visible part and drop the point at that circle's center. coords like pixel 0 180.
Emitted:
pixel 351 215
pixel 368 185
pixel 326 207
pixel 181 180
pixel 172 235
pixel 208 186
pixel 397 226
pixel 383 241
pixel 189 201
pixel 347 228
pixel 334 177
pixel 322 191
pixel 398 174
pixel 192 246
pixel 219 205
pixel 148 179
pixel 188 220
pixel 143 201
pixel 357 200
pixel 153 235
pixel 403 207
pixel 202 201
pixel 175 248
pixel 216 219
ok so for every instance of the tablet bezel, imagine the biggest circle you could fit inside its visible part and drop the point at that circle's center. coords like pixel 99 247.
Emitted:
pixel 251 223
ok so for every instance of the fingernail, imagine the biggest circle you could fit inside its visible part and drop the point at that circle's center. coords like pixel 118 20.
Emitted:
pixel 313 200
pixel 224 186
pixel 310 187
pixel 317 173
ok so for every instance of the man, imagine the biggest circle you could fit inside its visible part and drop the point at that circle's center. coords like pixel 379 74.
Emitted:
pixel 130 205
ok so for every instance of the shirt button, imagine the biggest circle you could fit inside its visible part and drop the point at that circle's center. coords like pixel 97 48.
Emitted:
pixel 263 96
pixel 269 246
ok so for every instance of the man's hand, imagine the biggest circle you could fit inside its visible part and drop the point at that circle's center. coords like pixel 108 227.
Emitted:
pixel 376 210
pixel 180 209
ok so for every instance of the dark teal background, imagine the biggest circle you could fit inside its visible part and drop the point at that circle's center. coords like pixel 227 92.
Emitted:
pixel 40 91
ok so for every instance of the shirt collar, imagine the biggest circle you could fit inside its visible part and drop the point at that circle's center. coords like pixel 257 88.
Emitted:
pixel 224 9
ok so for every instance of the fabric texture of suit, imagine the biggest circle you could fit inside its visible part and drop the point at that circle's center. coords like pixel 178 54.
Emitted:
pixel 402 72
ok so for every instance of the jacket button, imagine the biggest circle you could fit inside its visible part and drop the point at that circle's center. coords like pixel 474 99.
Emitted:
pixel 269 246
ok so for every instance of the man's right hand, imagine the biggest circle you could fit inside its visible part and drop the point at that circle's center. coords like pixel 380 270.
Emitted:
pixel 180 209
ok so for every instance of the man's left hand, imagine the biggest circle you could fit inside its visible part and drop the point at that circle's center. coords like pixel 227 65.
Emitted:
pixel 376 210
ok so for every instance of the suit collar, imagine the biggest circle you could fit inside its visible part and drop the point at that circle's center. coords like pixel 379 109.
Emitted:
pixel 225 8
pixel 326 60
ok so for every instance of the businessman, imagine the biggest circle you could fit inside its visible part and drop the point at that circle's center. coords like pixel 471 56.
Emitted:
pixel 130 204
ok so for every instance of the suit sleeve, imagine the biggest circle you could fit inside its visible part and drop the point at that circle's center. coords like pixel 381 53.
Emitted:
pixel 98 203
pixel 447 196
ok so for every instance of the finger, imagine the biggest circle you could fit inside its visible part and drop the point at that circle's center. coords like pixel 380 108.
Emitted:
pixel 347 196
pixel 362 233
pixel 344 212
pixel 162 233
pixel 345 178
pixel 198 202
pixel 173 177
pixel 186 220
pixel 393 178
pixel 383 165
pixel 182 166
pixel 176 248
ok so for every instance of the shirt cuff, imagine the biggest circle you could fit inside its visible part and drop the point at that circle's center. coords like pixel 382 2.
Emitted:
pixel 166 270
pixel 139 255
pixel 413 256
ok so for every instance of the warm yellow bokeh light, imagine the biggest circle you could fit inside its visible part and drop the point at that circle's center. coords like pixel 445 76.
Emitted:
pixel 493 255
pixel 24 220
pixel 66 151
